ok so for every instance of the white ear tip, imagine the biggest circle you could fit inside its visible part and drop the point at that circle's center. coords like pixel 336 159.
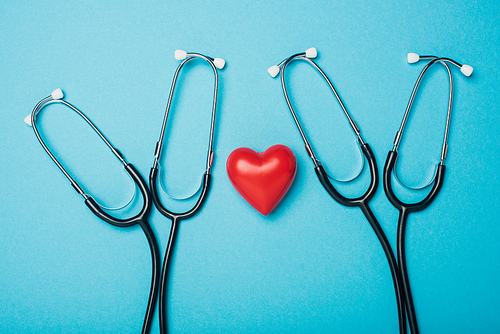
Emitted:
pixel 27 120
pixel 57 94
pixel 273 70
pixel 311 53
pixel 180 54
pixel 219 63
pixel 466 70
pixel 413 58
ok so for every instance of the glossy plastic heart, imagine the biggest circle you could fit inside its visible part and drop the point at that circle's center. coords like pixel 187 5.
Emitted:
pixel 262 179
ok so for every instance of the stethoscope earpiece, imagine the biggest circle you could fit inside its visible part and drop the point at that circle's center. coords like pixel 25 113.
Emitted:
pixel 415 58
pixel 27 120
pixel 311 53
pixel 466 70
pixel 180 54
pixel 57 94
pixel 275 69
pixel 218 62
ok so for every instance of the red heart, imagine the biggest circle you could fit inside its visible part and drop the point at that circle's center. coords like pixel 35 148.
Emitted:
pixel 262 179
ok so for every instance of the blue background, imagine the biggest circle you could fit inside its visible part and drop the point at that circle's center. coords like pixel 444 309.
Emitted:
pixel 310 266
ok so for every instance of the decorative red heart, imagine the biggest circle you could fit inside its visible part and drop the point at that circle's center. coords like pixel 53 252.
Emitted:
pixel 262 179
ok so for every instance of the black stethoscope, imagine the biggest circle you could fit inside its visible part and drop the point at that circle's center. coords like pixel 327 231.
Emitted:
pixel 361 201
pixel 215 63
pixel 139 219
pixel 436 182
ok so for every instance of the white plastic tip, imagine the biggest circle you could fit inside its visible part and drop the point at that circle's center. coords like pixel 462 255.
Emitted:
pixel 413 58
pixel 311 53
pixel 466 70
pixel 57 94
pixel 219 63
pixel 273 70
pixel 180 54
pixel 27 120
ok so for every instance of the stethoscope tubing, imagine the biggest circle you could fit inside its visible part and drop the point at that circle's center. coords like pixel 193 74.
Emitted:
pixel 175 218
pixel 362 203
pixel 404 210
pixel 155 274
pixel 141 220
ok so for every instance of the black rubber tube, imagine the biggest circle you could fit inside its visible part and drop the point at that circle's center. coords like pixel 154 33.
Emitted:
pixel 412 318
pixel 404 210
pixel 156 265
pixel 393 265
pixel 164 277
pixel 362 202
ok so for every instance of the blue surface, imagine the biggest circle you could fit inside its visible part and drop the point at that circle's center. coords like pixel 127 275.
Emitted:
pixel 312 266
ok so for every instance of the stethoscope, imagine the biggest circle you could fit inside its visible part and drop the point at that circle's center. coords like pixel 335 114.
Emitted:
pixel 176 218
pixel 361 201
pixel 97 209
pixel 436 182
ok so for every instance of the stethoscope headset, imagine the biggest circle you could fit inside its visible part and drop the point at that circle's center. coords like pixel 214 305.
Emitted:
pixel 436 182
pixel 176 218
pixel 140 219
pixel 399 273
